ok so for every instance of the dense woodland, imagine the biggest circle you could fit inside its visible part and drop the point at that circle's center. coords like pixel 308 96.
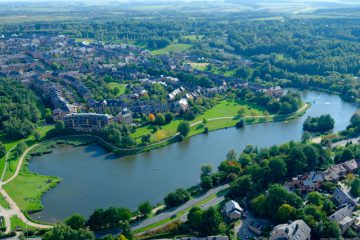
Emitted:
pixel 19 109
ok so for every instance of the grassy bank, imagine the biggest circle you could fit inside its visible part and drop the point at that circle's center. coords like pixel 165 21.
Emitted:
pixel 11 143
pixel 222 109
pixel 28 187
pixel 16 224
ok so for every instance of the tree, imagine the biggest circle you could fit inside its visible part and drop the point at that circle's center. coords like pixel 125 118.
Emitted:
pixel 2 150
pixel 346 155
pixel 242 187
pixel 168 117
pixel 160 119
pixel 194 218
pixel 37 135
pixel 122 237
pixel 355 120
pixel 278 168
pixel 328 206
pixel 231 155
pixel 258 204
pixel 177 198
pixel 355 187
pixel 245 159
pixel 321 124
pixel 145 208
pixel 151 117
pixel 305 136
pixel 314 198
pixel 64 232
pixel 285 213
pixel 20 149
pixel 145 139
pixel 210 222
pixel 59 126
pixel 206 169
pixel 183 128
pixel 240 123
pixel 76 221
pixel 330 230
pixel 206 183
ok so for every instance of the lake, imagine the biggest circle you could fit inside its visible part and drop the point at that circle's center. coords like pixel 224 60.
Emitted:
pixel 94 178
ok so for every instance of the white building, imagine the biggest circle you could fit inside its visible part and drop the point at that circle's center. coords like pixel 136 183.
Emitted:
pixel 232 210
pixel 296 230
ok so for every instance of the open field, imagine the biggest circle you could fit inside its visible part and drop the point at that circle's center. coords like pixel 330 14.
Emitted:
pixel 222 109
pixel 27 188
pixel 113 85
pixel 16 222
pixel 174 47
pixel 13 162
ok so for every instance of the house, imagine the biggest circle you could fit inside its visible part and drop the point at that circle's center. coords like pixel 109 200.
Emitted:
pixel 125 116
pixel 174 93
pixel 274 91
pixel 308 182
pixel 335 173
pixel 351 165
pixel 232 210
pixel 343 217
pixel 296 230
pixel 342 197
pixel 87 122
pixel 184 104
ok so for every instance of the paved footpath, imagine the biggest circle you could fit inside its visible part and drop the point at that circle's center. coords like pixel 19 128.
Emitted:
pixel 14 209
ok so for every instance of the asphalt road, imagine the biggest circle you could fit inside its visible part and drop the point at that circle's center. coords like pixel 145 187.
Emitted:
pixel 185 206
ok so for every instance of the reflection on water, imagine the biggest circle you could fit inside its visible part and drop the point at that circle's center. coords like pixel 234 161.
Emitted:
pixel 94 178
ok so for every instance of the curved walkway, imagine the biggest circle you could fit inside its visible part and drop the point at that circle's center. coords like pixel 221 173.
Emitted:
pixel 14 209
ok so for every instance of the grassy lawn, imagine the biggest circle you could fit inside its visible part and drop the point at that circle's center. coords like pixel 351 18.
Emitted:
pixel 198 66
pixel 112 85
pixel 194 38
pixel 16 222
pixel 27 188
pixel 85 39
pixel 12 164
pixel 222 109
pixel 4 203
pixel 173 47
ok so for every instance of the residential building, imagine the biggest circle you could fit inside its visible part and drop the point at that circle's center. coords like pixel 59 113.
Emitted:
pixel 335 173
pixel 351 165
pixel 341 197
pixel 125 116
pixel 232 210
pixel 87 122
pixel 308 182
pixel 343 217
pixel 296 230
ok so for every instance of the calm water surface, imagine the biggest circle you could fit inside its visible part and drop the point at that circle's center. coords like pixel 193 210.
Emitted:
pixel 94 178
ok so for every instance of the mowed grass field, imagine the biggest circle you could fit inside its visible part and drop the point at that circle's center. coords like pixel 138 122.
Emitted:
pixel 9 143
pixel 173 47
pixel 222 109
pixel 16 222
pixel 113 85
pixel 27 188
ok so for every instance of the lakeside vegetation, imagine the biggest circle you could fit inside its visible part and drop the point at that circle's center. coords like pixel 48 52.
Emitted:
pixel 314 50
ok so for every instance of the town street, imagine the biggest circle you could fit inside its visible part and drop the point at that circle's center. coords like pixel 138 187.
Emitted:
pixel 187 205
